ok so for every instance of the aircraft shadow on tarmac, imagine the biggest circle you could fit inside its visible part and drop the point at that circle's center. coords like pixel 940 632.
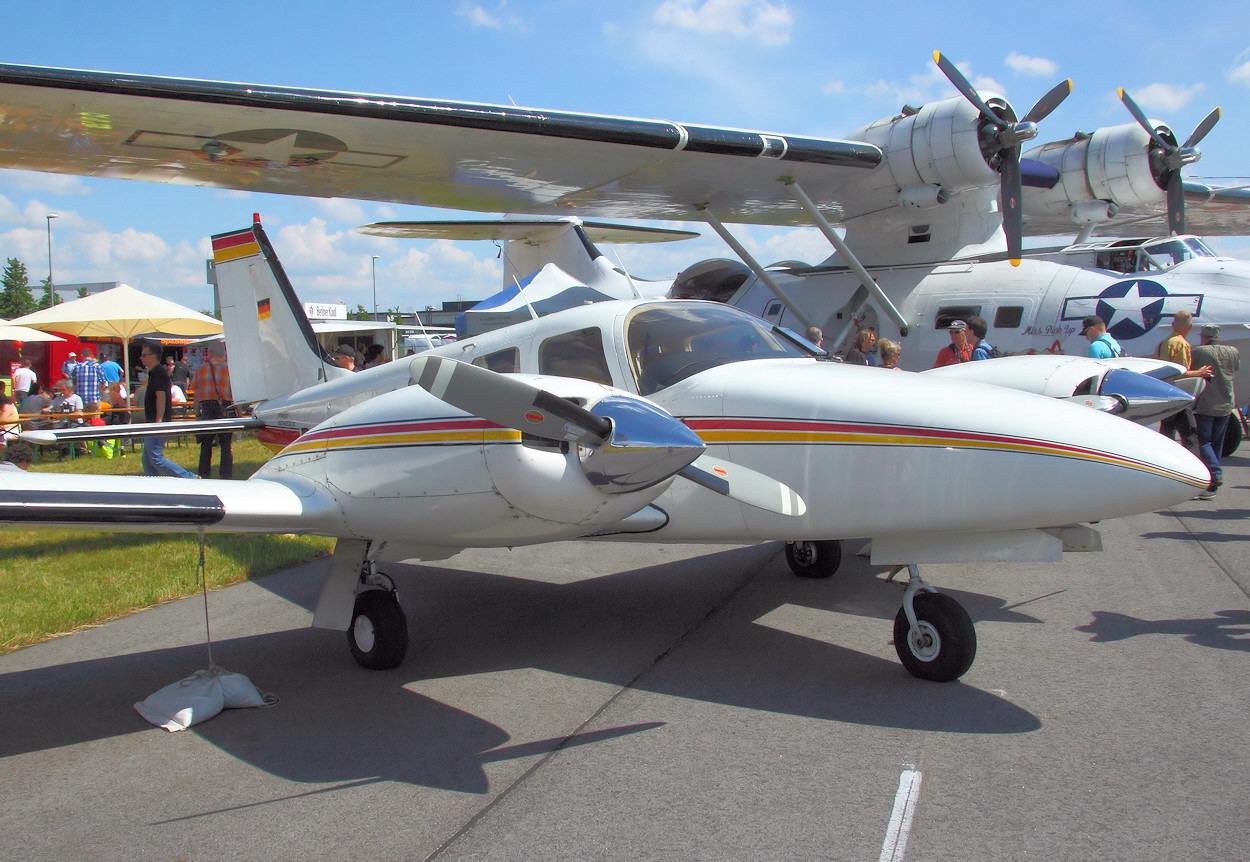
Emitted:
pixel 1225 630
pixel 649 628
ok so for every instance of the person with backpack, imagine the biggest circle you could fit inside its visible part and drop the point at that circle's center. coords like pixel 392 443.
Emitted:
pixel 958 350
pixel 981 349
pixel 1101 344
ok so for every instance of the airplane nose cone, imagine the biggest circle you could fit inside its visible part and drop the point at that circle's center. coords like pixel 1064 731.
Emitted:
pixel 1146 399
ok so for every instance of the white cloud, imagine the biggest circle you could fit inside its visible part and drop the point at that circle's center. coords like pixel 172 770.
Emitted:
pixel 36 181
pixel 1165 98
pixel 1034 67
pixel 498 19
pixel 762 21
pixel 340 209
pixel 1240 73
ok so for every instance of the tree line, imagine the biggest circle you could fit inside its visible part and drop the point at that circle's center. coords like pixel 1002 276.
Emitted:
pixel 15 296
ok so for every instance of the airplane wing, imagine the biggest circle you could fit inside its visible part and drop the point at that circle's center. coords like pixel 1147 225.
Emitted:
pixel 428 152
pixel 1209 211
pixel 52 436
pixel 164 504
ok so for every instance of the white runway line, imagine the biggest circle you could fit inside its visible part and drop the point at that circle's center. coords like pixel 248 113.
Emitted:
pixel 900 819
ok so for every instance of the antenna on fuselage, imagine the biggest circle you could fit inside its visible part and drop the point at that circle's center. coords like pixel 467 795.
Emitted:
pixel 521 290
pixel 632 287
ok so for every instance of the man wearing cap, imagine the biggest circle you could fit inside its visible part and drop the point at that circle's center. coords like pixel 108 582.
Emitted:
pixel 1101 344
pixel 1216 403
pixel 344 357
pixel 68 366
pixel 958 350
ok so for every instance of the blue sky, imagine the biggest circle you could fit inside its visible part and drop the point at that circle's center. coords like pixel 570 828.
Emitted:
pixel 809 67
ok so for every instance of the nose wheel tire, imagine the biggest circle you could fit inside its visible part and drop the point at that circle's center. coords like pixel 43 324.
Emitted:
pixel 944 642
pixel 378 635
pixel 814 559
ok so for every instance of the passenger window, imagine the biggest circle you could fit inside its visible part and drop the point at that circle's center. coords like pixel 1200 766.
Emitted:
pixel 502 361
pixel 575 354
pixel 948 313
pixel 1008 317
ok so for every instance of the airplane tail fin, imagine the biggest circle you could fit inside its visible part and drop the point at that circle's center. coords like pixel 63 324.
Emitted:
pixel 270 345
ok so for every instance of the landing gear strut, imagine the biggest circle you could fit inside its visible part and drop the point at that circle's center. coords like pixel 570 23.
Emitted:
pixel 378 634
pixel 933 634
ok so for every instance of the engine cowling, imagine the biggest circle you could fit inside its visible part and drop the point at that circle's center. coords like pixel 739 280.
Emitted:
pixel 937 146
pixel 1112 166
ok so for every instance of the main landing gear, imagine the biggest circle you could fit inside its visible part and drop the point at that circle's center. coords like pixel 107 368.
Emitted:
pixel 818 559
pixel 378 634
pixel 933 634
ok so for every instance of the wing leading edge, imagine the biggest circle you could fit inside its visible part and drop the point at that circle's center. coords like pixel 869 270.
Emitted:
pixel 161 504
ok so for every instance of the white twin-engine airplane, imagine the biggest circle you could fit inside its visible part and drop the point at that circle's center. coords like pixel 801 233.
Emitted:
pixel 629 420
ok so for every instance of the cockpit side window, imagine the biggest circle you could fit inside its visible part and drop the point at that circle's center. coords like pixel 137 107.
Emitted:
pixel 669 343
pixel 575 354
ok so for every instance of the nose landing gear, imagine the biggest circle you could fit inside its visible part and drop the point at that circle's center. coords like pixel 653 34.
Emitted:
pixel 933 634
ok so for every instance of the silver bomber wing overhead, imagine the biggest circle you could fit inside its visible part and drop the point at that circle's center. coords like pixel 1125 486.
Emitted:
pixel 406 150
pixel 1209 211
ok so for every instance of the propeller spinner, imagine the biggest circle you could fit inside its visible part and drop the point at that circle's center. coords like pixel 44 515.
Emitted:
pixel 632 444
pixel 1167 159
pixel 1001 138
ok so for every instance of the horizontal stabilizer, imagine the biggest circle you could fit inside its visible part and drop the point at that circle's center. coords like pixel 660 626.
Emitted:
pixel 527 230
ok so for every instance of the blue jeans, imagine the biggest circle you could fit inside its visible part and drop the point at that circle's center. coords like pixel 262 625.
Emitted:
pixel 155 462
pixel 1211 431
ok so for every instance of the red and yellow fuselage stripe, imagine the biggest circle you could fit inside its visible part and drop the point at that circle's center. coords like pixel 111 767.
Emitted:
pixel 717 431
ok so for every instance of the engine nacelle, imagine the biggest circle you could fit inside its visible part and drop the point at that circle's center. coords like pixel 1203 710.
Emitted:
pixel 1112 165
pixel 937 146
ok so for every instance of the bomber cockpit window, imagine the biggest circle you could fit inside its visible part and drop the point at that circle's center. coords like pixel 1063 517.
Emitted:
pixel 575 354
pixel 668 343
pixel 1169 252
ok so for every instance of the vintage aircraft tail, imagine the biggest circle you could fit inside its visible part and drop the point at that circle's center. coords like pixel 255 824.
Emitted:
pixel 534 245
pixel 270 344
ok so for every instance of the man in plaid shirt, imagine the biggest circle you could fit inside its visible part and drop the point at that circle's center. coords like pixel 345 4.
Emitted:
pixel 88 381
pixel 211 383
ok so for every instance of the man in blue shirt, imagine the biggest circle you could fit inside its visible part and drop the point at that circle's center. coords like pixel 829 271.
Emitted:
pixel 1101 345
pixel 981 349
pixel 112 371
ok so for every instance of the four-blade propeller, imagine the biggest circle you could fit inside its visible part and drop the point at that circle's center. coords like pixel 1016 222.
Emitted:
pixel 1001 138
pixel 631 443
pixel 1167 159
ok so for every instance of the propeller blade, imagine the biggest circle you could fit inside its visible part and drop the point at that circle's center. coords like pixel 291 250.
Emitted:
pixel 957 78
pixel 1201 130
pixel 507 401
pixel 745 485
pixel 1049 102
pixel 1176 203
pixel 1010 196
pixel 1143 121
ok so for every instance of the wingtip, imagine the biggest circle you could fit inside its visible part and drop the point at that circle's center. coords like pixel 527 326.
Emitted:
pixel 1015 261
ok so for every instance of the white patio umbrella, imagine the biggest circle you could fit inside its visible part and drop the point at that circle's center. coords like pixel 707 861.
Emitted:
pixel 9 332
pixel 122 312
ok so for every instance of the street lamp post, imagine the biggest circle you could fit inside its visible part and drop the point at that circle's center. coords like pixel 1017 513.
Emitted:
pixel 50 217
pixel 375 287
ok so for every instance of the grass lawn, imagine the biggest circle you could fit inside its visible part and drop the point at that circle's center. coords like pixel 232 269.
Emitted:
pixel 55 581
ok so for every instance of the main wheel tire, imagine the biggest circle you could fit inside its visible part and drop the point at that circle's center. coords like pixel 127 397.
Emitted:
pixel 1232 436
pixel 378 635
pixel 814 559
pixel 943 648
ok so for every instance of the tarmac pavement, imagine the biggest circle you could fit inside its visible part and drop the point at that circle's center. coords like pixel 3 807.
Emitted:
pixel 605 701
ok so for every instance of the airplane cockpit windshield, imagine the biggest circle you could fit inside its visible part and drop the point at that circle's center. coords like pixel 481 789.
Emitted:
pixel 668 343
pixel 1166 253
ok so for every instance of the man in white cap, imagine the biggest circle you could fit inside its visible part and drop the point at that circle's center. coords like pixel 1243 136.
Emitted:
pixel 69 365
pixel 958 350
pixel 1216 404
